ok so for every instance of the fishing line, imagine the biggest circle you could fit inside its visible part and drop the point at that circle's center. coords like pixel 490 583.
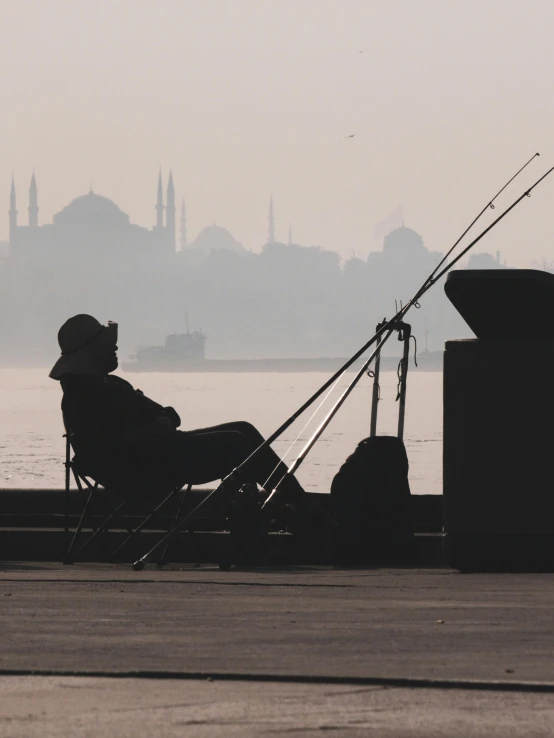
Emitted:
pixel 378 351
pixel 325 422
pixel 312 416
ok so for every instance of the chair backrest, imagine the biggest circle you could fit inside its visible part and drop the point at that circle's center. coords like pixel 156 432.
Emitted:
pixel 78 465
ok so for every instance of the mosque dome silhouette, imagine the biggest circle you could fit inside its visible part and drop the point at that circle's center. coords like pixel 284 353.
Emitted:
pixel 403 240
pixel 215 238
pixel 91 209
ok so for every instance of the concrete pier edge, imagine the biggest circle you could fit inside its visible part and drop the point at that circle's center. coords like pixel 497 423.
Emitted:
pixel 404 682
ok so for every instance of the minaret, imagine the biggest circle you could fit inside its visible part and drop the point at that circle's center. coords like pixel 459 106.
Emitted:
pixel 170 212
pixel 160 204
pixel 13 215
pixel 271 223
pixel 33 203
pixel 290 235
pixel 184 239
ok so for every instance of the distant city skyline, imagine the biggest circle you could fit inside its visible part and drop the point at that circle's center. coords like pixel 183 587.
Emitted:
pixel 23 213
pixel 249 99
pixel 24 223
pixel 286 300
pixel 89 210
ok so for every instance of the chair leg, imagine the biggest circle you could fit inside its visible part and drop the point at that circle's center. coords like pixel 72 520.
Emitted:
pixel 82 490
pixel 107 515
pixel 162 560
pixel 141 563
pixel 68 558
pixel 146 520
pixel 67 490
pixel 106 535
pixel 99 530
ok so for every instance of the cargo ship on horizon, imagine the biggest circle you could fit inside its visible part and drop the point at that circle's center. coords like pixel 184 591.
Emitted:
pixel 185 352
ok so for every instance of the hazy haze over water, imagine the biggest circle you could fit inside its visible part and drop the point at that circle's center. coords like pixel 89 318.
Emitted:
pixel 244 99
pixel 32 447
pixel 252 97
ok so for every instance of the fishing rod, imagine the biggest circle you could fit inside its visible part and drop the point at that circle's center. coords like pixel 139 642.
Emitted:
pixel 282 428
pixel 430 278
pixel 340 372
pixel 490 205
pixel 389 327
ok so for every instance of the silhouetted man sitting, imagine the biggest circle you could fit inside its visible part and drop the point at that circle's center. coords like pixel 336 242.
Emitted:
pixel 122 437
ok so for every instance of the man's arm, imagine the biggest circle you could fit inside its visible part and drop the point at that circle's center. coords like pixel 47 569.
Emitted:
pixel 111 410
pixel 161 412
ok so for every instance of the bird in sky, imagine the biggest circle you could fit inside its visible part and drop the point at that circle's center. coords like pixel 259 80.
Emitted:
pixel 351 135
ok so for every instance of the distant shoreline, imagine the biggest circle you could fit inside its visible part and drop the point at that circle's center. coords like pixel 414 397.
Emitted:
pixel 430 361
pixel 427 361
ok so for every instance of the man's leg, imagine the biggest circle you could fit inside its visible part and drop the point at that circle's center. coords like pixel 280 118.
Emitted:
pixel 212 453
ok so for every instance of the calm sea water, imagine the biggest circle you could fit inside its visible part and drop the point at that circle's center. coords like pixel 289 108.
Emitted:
pixel 32 447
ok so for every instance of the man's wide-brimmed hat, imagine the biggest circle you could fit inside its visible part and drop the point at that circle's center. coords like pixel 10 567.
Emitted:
pixel 77 337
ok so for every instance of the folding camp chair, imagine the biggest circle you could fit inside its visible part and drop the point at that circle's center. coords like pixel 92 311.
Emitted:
pixel 89 490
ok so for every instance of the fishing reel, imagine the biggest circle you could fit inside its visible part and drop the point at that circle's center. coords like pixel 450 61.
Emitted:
pixel 245 502
pixel 246 522
pixel 404 331
pixel 243 505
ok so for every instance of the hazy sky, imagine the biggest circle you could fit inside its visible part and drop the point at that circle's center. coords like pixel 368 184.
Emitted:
pixel 244 98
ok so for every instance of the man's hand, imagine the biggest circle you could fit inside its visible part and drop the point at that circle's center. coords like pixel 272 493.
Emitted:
pixel 164 425
pixel 169 412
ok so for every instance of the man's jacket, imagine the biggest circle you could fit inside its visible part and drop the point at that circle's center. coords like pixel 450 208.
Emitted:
pixel 112 429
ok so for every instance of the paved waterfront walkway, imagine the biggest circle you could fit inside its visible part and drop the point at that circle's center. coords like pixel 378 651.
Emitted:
pixel 361 632
pixel 140 708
